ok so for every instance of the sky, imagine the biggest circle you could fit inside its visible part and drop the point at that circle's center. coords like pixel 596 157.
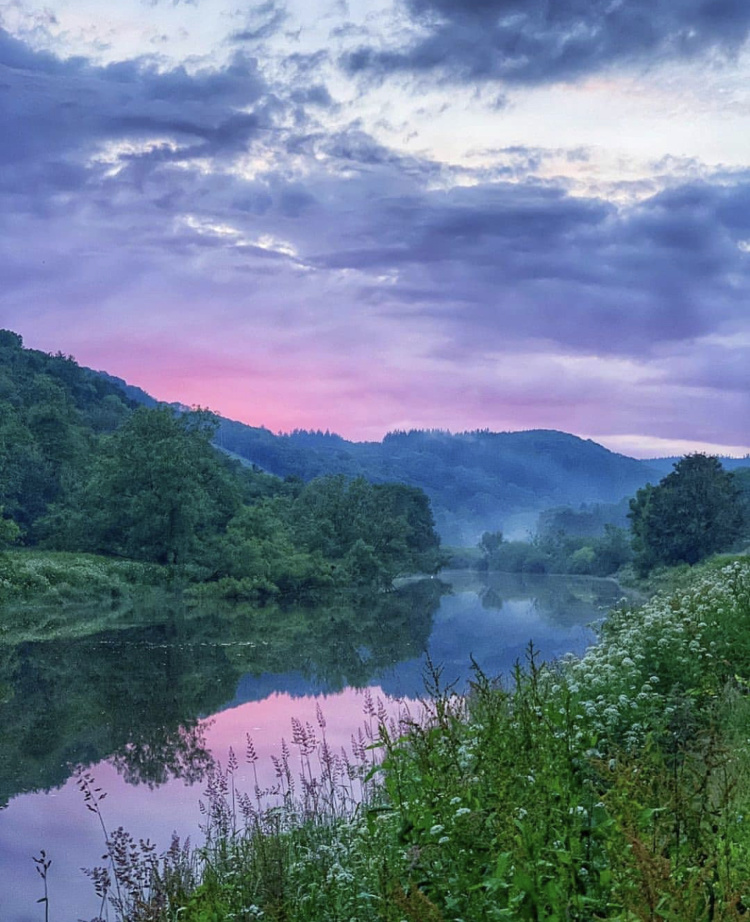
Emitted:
pixel 368 215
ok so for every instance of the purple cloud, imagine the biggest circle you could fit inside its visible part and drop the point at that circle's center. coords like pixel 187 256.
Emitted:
pixel 203 234
pixel 537 41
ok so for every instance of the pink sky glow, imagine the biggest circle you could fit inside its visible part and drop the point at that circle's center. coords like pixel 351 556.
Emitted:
pixel 260 212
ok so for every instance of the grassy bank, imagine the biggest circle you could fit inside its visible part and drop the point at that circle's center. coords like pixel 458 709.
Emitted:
pixel 44 593
pixel 611 787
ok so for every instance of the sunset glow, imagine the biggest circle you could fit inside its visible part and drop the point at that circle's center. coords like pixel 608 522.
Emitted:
pixel 339 216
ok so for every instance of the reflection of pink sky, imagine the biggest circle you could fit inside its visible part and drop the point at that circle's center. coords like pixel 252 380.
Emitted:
pixel 60 823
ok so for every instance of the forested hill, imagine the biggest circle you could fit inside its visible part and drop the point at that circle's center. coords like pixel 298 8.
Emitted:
pixel 476 481
pixel 85 469
pixel 51 413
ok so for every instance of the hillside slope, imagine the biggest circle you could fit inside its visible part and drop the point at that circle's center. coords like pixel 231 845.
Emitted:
pixel 476 481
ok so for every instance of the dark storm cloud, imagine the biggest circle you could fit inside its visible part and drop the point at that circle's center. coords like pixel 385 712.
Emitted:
pixel 54 109
pixel 543 41
pixel 528 261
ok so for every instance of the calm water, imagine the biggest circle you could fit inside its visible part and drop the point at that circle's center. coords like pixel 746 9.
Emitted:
pixel 147 707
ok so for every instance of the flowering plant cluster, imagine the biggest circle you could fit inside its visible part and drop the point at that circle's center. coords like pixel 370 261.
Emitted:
pixel 613 786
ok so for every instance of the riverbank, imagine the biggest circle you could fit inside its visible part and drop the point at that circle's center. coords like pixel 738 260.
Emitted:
pixel 51 594
pixel 610 787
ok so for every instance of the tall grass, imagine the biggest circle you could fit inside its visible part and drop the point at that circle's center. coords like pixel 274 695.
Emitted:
pixel 43 593
pixel 614 786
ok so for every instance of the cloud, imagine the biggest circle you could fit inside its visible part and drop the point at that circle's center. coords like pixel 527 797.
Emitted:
pixel 147 211
pixel 535 42
pixel 58 109
pixel 500 262
pixel 262 21
pixel 169 2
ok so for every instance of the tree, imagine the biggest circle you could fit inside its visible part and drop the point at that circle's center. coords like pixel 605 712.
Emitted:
pixel 691 513
pixel 157 491
pixel 9 531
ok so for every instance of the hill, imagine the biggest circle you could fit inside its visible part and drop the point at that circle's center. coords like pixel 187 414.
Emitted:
pixel 476 481
pixel 85 469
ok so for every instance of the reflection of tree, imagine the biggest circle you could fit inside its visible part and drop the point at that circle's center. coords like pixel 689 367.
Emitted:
pixel 558 598
pixel 76 702
pixel 491 598
pixel 135 694
pixel 176 753
pixel 372 632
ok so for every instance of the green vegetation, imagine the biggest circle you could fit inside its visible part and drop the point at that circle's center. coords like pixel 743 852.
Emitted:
pixel 588 521
pixel 84 469
pixel 697 510
pixel 612 787
pixel 557 552
pixel 474 479
pixel 60 583
pixel 693 512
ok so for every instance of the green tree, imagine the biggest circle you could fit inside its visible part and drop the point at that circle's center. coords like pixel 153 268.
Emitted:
pixel 742 482
pixel 158 491
pixel 9 531
pixel 691 513
pixel 389 524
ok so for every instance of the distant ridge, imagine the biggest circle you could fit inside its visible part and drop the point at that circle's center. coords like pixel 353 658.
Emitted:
pixel 477 480
pixel 664 465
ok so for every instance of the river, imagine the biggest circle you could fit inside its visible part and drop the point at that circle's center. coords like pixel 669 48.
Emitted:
pixel 146 706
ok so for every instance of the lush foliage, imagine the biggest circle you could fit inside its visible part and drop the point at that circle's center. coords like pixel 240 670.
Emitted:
pixel 9 531
pixel 557 552
pixel 611 787
pixel 82 470
pixel 59 580
pixel 331 531
pixel 693 512
pixel 156 491
pixel 51 412
pixel 473 479
pixel 587 521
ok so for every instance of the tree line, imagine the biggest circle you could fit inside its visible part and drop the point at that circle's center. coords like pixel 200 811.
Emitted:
pixel 697 510
pixel 83 469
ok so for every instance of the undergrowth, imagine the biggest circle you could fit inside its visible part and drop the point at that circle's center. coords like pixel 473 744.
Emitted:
pixel 614 786
pixel 43 593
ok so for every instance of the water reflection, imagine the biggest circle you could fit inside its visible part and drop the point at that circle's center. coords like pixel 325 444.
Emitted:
pixel 135 695
pixel 136 703
pixel 492 618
